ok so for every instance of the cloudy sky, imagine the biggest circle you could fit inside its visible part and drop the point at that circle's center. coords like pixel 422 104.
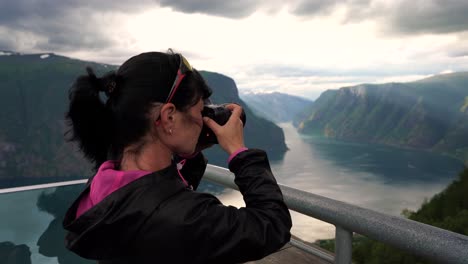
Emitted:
pixel 295 46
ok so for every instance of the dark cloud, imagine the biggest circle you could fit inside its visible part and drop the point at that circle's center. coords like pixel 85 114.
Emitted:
pixel 314 7
pixel 64 26
pixel 411 17
pixel 436 16
pixel 14 11
pixel 231 9
pixel 60 26
pixel 402 17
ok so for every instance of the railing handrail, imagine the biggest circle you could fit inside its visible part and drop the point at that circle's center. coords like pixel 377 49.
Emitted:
pixel 41 186
pixel 414 237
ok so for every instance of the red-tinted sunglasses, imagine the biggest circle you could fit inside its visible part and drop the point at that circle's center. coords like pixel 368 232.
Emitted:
pixel 184 68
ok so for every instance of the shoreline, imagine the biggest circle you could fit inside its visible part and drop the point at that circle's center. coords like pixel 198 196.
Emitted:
pixel 380 144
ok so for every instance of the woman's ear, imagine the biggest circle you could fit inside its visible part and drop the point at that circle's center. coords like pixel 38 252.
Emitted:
pixel 167 114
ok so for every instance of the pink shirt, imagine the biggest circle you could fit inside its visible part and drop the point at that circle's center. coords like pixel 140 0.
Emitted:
pixel 106 181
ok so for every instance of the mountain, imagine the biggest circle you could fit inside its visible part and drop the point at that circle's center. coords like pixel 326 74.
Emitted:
pixel 34 98
pixel 277 107
pixel 430 114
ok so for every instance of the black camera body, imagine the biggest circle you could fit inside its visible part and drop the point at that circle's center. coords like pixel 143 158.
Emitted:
pixel 220 114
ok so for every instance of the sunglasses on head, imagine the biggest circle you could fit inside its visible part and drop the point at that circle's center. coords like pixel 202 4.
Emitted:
pixel 184 68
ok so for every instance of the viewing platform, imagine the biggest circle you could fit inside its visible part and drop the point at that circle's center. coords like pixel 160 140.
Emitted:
pixel 31 218
pixel 292 254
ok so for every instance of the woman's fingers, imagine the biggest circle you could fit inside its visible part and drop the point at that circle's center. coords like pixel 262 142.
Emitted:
pixel 211 124
pixel 231 135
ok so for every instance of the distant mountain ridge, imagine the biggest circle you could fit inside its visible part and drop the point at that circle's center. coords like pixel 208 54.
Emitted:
pixel 277 107
pixel 34 97
pixel 428 114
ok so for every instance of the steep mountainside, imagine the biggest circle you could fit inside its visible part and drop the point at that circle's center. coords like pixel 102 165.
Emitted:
pixel 428 114
pixel 277 107
pixel 34 98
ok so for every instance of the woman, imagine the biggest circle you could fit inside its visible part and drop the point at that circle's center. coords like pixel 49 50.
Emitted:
pixel 141 206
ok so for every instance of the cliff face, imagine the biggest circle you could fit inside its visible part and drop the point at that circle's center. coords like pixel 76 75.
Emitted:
pixel 428 114
pixel 34 98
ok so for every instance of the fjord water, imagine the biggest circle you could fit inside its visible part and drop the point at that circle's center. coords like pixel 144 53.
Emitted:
pixel 381 178
pixel 32 222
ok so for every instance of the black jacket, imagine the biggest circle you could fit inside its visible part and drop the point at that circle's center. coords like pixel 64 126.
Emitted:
pixel 156 219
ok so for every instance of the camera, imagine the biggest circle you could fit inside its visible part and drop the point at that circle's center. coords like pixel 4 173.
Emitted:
pixel 220 114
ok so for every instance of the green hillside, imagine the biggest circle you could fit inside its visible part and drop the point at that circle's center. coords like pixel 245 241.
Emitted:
pixel 34 98
pixel 430 114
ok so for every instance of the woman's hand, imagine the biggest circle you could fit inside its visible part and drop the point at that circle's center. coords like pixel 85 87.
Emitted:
pixel 231 135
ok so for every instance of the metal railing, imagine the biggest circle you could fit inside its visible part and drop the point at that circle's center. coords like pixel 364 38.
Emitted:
pixel 41 186
pixel 416 238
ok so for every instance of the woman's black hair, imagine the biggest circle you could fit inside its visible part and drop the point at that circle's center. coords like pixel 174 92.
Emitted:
pixel 103 128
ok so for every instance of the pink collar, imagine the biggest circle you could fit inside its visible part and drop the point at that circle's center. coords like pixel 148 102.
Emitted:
pixel 106 181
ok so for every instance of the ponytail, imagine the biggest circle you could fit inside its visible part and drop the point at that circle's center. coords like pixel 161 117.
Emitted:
pixel 89 118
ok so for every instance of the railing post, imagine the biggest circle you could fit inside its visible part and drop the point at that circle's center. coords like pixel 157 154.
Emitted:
pixel 343 246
